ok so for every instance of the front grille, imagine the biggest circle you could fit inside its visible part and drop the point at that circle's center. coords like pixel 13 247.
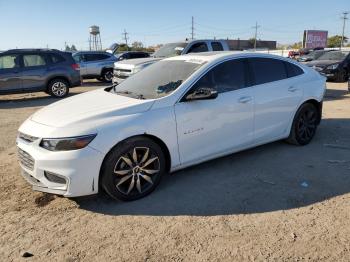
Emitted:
pixel 26 159
pixel 27 138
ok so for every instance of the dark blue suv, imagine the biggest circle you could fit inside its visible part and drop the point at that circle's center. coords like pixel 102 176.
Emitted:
pixel 34 70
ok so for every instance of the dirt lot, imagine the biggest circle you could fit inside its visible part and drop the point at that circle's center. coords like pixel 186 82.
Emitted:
pixel 276 202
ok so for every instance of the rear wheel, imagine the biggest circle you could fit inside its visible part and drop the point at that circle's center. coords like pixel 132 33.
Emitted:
pixel 304 125
pixel 133 169
pixel 58 88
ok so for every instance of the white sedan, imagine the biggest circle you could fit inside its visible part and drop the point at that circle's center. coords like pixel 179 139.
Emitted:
pixel 175 113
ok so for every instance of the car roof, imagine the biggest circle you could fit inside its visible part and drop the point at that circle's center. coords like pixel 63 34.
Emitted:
pixel 31 50
pixel 92 52
pixel 220 55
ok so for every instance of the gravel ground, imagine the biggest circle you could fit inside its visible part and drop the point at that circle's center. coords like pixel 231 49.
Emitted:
pixel 276 202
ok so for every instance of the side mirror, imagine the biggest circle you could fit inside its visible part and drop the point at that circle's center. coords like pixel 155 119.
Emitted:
pixel 202 93
pixel 121 58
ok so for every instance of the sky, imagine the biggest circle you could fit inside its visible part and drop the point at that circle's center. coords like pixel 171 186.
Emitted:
pixel 51 23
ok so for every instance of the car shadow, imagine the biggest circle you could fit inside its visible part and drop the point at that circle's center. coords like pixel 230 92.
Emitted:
pixel 336 94
pixel 273 177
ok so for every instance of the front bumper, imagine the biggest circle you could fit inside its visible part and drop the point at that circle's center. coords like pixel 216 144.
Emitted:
pixel 329 73
pixel 76 171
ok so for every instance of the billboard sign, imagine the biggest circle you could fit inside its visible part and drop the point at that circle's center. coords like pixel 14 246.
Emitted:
pixel 315 38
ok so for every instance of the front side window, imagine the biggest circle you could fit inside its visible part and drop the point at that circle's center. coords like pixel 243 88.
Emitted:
pixel 9 61
pixel 94 57
pixel 267 70
pixel 198 47
pixel 228 76
pixel 33 60
pixel 157 80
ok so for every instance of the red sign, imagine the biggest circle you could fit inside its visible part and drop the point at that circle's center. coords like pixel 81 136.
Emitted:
pixel 315 38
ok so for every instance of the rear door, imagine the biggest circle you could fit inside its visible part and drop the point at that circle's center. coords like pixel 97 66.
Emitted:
pixel 35 69
pixel 10 72
pixel 209 127
pixel 276 97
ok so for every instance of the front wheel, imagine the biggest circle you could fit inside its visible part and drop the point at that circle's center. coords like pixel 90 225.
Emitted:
pixel 58 88
pixel 133 169
pixel 107 76
pixel 304 125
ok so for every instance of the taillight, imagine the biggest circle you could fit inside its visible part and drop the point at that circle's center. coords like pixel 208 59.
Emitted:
pixel 76 66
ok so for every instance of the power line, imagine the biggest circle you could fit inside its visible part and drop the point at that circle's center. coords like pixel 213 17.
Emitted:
pixel 256 33
pixel 344 17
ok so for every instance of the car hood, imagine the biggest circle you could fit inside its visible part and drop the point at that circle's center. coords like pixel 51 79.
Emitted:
pixel 322 63
pixel 138 61
pixel 87 107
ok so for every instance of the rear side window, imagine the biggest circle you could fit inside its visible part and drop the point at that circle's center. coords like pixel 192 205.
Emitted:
pixel 33 60
pixel 217 46
pixel 9 61
pixel 198 47
pixel 55 58
pixel 293 70
pixel 267 70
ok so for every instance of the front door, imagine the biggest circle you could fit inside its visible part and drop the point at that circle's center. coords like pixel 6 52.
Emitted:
pixel 10 73
pixel 215 126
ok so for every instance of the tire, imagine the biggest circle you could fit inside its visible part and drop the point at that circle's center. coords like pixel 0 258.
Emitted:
pixel 304 125
pixel 127 175
pixel 341 77
pixel 58 88
pixel 107 75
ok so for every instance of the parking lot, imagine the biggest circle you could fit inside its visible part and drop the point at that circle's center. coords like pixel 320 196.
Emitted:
pixel 275 202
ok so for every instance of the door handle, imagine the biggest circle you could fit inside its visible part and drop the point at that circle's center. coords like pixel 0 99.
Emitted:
pixel 244 99
pixel 293 89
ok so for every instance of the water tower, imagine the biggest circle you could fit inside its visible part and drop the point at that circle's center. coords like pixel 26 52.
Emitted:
pixel 95 43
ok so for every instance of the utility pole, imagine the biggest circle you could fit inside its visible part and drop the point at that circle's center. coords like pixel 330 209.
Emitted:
pixel 192 29
pixel 344 17
pixel 125 34
pixel 256 34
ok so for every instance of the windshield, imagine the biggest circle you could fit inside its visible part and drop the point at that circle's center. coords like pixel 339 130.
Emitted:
pixel 169 50
pixel 157 80
pixel 336 56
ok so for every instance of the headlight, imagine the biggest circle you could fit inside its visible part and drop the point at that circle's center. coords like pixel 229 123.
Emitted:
pixel 65 144
pixel 332 67
pixel 137 69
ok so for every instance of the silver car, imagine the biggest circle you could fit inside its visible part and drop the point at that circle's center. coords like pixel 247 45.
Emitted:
pixel 96 64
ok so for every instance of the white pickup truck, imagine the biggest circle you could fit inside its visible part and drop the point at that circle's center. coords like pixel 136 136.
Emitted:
pixel 124 69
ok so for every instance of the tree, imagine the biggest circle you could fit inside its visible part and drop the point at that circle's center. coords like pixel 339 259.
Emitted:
pixel 67 48
pixel 73 48
pixel 334 41
pixel 297 45
pixel 137 46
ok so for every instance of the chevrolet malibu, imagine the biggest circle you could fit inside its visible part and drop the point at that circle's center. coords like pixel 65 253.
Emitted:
pixel 175 113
